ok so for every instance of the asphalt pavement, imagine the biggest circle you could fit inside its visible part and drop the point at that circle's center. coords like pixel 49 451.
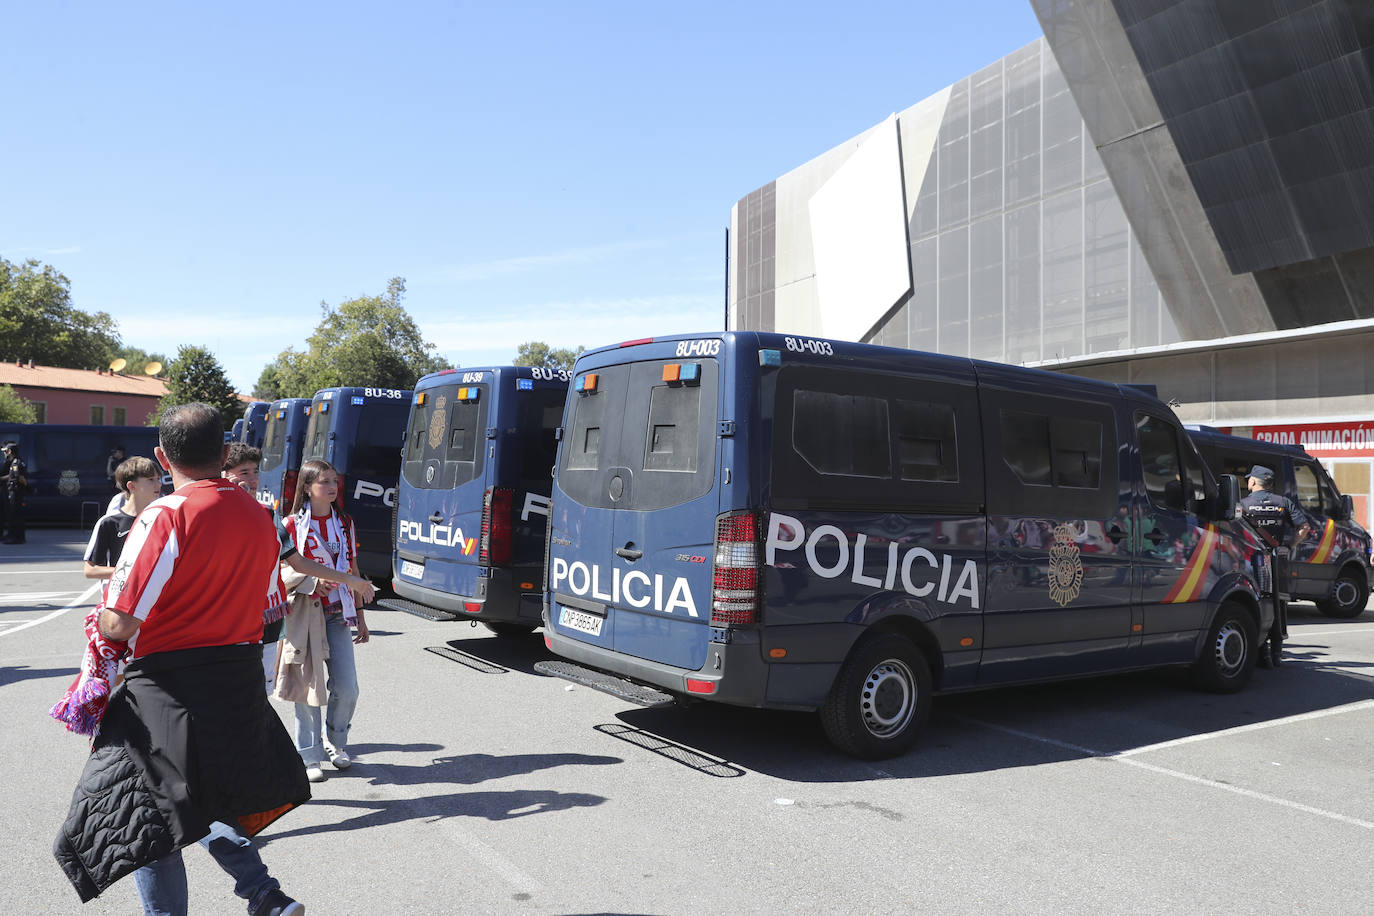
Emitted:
pixel 481 786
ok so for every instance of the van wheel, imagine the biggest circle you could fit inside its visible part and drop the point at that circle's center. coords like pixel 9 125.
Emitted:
pixel 1229 655
pixel 508 630
pixel 1349 595
pixel 880 700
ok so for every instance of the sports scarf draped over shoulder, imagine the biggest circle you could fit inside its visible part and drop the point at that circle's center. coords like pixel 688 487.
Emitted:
pixel 307 542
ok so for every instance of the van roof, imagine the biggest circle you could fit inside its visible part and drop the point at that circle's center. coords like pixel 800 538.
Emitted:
pixel 1216 437
pixel 764 340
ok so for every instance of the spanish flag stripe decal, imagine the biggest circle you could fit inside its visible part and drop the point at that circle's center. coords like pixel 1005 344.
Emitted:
pixel 1194 575
pixel 1323 552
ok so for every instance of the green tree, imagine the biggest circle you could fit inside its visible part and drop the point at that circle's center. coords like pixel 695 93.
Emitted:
pixel 196 375
pixel 14 409
pixel 371 341
pixel 38 321
pixel 538 353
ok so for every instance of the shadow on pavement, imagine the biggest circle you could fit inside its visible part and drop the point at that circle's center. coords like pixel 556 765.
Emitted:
pixel 978 732
pixel 13 675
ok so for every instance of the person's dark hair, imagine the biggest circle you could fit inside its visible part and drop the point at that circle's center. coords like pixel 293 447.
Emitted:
pixel 240 452
pixel 192 435
pixel 310 472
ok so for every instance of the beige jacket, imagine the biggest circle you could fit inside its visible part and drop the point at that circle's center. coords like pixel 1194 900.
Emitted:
pixel 301 675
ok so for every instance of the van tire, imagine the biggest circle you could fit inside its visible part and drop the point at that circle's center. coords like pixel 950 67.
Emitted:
pixel 881 699
pixel 1349 595
pixel 508 630
pixel 1230 652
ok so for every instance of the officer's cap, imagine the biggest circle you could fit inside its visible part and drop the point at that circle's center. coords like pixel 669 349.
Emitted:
pixel 1261 473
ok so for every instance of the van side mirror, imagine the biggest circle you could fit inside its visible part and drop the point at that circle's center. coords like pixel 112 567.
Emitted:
pixel 1347 508
pixel 1228 497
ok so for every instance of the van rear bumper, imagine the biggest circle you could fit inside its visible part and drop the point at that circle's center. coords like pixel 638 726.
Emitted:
pixel 499 599
pixel 737 671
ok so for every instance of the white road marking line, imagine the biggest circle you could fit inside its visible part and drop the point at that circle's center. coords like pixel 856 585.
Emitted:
pixel 80 601
pixel 1322 631
pixel 14 597
pixel 31 572
pixel 1187 777
pixel 1253 727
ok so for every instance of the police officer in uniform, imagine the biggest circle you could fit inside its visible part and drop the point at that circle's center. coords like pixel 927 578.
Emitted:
pixel 13 485
pixel 1275 517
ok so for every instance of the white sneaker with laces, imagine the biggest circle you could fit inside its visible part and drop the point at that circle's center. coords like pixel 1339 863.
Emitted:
pixel 314 773
pixel 338 756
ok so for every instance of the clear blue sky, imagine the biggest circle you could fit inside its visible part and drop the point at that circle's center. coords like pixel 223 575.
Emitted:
pixel 536 171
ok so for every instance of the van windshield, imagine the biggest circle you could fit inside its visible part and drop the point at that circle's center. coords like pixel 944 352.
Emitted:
pixel 656 438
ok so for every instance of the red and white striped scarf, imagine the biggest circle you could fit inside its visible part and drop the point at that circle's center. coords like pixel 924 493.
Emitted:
pixel 278 606
pixel 335 554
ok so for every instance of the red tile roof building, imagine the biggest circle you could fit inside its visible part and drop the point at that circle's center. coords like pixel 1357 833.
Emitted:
pixel 84 396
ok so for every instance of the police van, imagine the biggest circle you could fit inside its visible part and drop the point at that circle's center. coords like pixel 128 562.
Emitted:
pixel 254 422
pixel 359 432
pixel 67 467
pixel 473 499
pixel 796 523
pixel 1331 568
pixel 282 444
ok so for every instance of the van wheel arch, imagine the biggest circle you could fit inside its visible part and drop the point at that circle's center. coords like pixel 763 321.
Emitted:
pixel 1349 593
pixel 924 640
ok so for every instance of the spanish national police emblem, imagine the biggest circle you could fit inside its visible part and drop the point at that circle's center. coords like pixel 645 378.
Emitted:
pixel 437 421
pixel 68 484
pixel 1066 566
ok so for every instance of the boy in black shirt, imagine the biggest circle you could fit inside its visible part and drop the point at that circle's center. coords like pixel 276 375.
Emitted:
pixel 140 480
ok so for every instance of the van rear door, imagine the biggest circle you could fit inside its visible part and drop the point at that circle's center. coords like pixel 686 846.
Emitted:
pixel 638 468
pixel 439 516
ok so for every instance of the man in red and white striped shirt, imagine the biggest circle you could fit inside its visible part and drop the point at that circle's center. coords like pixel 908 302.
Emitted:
pixel 187 595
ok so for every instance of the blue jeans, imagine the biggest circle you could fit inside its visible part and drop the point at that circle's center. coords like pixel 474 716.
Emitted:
pixel 162 885
pixel 342 686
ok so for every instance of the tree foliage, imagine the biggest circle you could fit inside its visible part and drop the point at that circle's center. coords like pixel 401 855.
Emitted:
pixel 196 375
pixel 538 353
pixel 14 409
pixel 370 341
pixel 39 322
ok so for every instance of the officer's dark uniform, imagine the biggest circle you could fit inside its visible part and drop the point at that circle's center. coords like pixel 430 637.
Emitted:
pixel 13 494
pixel 1276 517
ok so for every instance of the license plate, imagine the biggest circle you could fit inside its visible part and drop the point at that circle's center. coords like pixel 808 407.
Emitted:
pixel 580 621
pixel 413 570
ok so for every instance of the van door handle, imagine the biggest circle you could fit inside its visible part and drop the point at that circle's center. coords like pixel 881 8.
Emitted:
pixel 436 518
pixel 1155 536
pixel 1115 535
pixel 628 553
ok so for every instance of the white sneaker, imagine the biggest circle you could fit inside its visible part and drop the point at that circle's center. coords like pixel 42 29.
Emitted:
pixel 338 756
pixel 314 773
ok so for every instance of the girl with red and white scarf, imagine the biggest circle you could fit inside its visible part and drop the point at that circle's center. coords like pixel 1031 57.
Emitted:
pixel 321 626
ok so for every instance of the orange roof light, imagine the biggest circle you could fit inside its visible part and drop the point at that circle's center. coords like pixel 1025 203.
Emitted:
pixel 671 371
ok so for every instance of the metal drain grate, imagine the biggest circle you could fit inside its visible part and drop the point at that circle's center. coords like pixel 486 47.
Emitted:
pixel 479 665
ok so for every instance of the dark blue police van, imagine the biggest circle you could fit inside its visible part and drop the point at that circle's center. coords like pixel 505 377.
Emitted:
pixel 474 495
pixel 359 432
pixel 795 523
pixel 1330 568
pixel 282 444
pixel 68 464
pixel 254 422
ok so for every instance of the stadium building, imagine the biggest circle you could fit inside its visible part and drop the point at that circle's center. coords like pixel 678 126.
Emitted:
pixel 1174 192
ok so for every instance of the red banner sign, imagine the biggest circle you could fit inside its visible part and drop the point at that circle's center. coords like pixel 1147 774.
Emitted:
pixel 1324 440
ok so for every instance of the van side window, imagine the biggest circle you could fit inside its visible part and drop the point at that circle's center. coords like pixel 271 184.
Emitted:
pixel 853 438
pixel 1044 454
pixel 1159 462
pixel 1309 489
pixel 1055 451
pixel 672 429
pixel 841 433
pixel 927 447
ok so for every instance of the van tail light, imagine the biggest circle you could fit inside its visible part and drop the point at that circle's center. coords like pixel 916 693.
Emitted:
pixel 342 491
pixel 288 491
pixel 736 590
pixel 497 526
